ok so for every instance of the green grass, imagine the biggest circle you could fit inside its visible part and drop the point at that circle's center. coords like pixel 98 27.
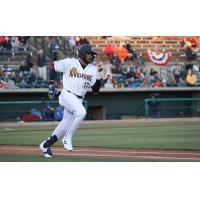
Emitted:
pixel 144 135
pixel 177 136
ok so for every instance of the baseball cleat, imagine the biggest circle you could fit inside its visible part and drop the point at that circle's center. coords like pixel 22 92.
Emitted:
pixel 46 151
pixel 67 145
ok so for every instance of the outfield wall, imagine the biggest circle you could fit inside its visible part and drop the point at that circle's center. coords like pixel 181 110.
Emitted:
pixel 110 103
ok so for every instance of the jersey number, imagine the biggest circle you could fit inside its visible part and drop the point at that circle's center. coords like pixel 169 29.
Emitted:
pixel 86 85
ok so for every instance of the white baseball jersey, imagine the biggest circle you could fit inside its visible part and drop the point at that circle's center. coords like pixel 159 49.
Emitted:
pixel 76 79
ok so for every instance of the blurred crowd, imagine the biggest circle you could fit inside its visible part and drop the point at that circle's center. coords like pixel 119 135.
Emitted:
pixel 128 75
pixel 123 68
pixel 13 43
pixel 126 68
pixel 25 75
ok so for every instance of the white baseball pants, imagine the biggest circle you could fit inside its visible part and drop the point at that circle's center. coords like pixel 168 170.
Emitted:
pixel 74 113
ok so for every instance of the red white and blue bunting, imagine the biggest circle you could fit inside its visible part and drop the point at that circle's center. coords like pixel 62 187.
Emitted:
pixel 158 58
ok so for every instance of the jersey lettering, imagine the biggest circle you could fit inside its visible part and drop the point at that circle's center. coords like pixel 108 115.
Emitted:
pixel 75 73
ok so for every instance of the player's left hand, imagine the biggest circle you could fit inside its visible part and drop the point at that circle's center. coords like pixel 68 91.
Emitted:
pixel 96 87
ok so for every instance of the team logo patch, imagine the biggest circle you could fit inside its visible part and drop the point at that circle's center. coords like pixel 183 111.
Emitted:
pixel 73 71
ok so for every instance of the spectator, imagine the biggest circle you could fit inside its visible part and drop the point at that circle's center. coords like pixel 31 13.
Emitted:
pixel 125 83
pixel 22 66
pixel 108 49
pixel 2 84
pixel 191 41
pixel 48 113
pixel 151 72
pixel 109 83
pixel 22 83
pixel 115 83
pixel 2 74
pixel 122 52
pixel 139 60
pixel 25 68
pixel 9 84
pixel 53 46
pixel 20 77
pixel 181 83
pixel 15 43
pixel 23 40
pixel 6 70
pixel 52 72
pixel 115 61
pixel 72 43
pixel 105 78
pixel 2 41
pixel 177 73
pixel 82 40
pixel 138 73
pixel 28 64
pixel 108 68
pixel 156 76
pixel 133 83
pixel 126 71
pixel 130 51
pixel 58 113
pixel 145 83
pixel 164 83
pixel 157 83
pixel 190 54
pixel 101 73
pixel 155 80
pixel 191 78
pixel 7 44
pixel 41 62
pixel 13 76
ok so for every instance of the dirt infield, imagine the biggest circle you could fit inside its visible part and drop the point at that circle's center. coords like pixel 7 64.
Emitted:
pixel 164 155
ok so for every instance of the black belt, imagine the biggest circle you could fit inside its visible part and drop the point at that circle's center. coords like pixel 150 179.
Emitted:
pixel 80 97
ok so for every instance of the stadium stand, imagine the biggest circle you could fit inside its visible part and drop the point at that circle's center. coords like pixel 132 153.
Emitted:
pixel 18 60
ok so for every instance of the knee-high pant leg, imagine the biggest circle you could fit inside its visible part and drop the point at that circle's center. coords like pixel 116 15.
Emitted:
pixel 74 113
pixel 63 126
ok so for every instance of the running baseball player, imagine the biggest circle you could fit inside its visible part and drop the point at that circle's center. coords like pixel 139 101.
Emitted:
pixel 78 76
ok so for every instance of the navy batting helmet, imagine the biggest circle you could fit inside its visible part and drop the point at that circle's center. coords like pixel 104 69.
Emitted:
pixel 84 50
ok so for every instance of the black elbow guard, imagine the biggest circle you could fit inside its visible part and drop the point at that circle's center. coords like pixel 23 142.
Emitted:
pixel 96 87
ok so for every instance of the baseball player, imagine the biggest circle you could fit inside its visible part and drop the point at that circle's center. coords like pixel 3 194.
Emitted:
pixel 78 76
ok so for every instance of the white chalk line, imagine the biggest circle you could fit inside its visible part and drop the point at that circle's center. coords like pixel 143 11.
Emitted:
pixel 141 152
pixel 126 156
pixel 109 155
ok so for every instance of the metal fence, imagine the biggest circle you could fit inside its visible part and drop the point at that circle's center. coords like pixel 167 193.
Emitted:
pixel 172 107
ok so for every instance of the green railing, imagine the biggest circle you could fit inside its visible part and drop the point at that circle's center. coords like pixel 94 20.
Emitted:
pixel 172 107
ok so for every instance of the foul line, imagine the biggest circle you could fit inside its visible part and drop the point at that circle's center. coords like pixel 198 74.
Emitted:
pixel 126 156
pixel 59 152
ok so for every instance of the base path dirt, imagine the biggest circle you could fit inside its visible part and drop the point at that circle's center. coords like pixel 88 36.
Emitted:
pixel 159 155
